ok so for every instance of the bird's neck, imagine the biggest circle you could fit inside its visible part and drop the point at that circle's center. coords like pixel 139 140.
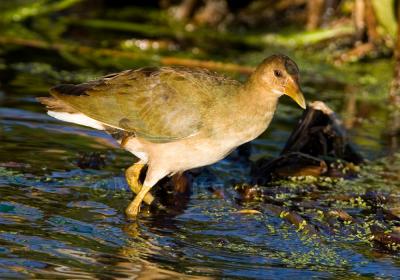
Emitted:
pixel 260 101
pixel 257 109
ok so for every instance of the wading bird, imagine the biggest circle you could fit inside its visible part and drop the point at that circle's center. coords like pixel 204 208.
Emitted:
pixel 174 118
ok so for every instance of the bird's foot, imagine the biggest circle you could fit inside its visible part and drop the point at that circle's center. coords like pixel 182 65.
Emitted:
pixel 132 210
pixel 132 175
pixel 134 207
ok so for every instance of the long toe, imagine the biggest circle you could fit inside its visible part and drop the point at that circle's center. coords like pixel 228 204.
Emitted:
pixel 132 210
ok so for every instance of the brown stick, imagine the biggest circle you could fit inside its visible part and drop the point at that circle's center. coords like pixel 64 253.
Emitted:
pixel 314 13
pixel 371 23
pixel 365 21
pixel 358 18
pixel 166 60
pixel 350 107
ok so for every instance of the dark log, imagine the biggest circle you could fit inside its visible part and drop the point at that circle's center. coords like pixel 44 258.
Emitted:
pixel 318 141
pixel 320 134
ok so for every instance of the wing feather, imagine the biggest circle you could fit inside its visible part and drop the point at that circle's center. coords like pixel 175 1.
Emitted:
pixel 158 104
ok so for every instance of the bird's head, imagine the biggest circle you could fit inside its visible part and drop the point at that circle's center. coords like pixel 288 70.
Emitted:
pixel 279 75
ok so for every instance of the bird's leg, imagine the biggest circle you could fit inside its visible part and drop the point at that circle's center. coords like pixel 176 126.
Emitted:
pixel 152 178
pixel 132 175
pixel 134 207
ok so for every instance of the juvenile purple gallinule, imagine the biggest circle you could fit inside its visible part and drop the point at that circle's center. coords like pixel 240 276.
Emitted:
pixel 174 118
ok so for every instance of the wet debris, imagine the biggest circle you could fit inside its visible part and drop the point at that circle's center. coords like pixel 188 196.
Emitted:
pixel 221 242
pixel 217 193
pixel 375 199
pixel 92 160
pixel 318 146
pixel 389 240
pixel 292 164
pixel 292 217
pixel 250 192
pixel 300 186
pixel 339 214
pixel 174 192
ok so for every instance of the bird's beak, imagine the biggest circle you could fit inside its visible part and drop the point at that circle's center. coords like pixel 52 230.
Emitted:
pixel 295 93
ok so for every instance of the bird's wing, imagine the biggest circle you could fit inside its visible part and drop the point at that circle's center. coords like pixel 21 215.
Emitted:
pixel 157 104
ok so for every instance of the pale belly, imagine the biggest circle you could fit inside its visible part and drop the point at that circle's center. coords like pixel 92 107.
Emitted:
pixel 191 152
pixel 181 155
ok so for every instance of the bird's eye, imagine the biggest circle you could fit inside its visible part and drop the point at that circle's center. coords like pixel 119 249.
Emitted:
pixel 278 73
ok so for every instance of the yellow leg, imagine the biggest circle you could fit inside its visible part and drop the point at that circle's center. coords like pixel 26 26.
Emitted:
pixel 132 177
pixel 134 207
pixel 153 175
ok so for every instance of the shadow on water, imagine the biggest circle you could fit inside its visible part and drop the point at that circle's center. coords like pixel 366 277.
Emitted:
pixel 60 221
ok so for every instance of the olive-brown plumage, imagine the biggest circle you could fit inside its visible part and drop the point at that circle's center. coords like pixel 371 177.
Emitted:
pixel 174 118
